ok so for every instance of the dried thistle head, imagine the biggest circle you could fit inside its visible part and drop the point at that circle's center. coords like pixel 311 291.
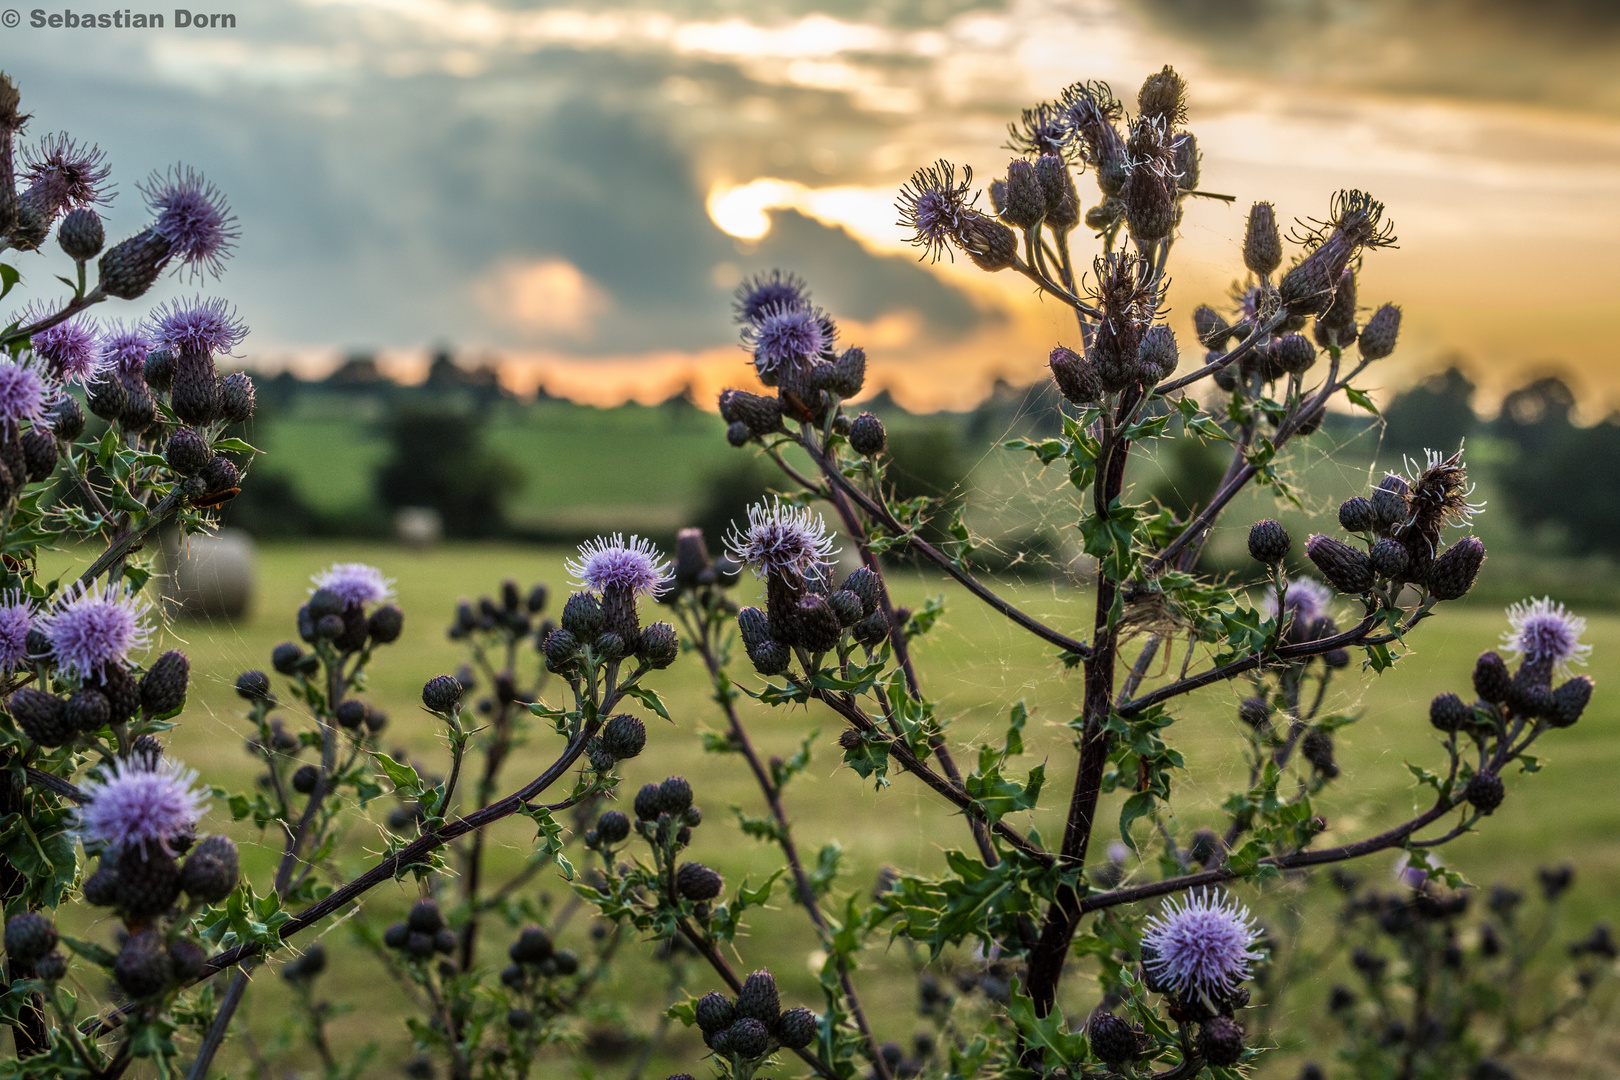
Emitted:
pixel 1437 497
pixel 1044 129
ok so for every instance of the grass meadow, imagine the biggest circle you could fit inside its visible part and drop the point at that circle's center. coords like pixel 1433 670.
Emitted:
pixel 975 666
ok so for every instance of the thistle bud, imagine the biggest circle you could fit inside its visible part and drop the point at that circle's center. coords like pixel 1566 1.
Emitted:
pixel 148 881
pixel 1212 329
pixel 350 714
pixel 849 372
pixel 1269 542
pixel 66 418
pixel 1357 515
pixel 219 474
pixel 1187 159
pixel 1101 217
pixel 748 1038
pixel 1346 568
pixel 998 196
pixel 1113 1040
pixel 1294 353
pixel 195 394
pixel 675 795
pixel 442 694
pixel 1453 573
pixel 1378 336
pixel 812 625
pixel 990 244
pixel 237 397
pixel 159 370
pixel 624 736
pixel 1059 197
pixel 612 827
pixel 1389 558
pixel 1163 97
pixel 714 1012
pixel 108 396
pixel 658 646
pixel 866 435
pixel 561 649
pixel 694 881
pixel 1568 702
pixel 866 585
pixel 1158 355
pixel 1491 679
pixel 737 434
pixel 130 267
pixel 1262 243
pixel 1150 205
pixel 386 624
pixel 1075 377
pixel 872 630
pixel 1389 502
pixel 649 802
pixel 80 234
pixel 582 616
pixel 770 657
pixel 163 687
pixel 758 999
pixel 143 967
pixel 1317 748
pixel 140 410
pixel 760 415
pixel 42 716
pixel 1341 314
pixel 692 562
pixel 29 936
pixel 1255 712
pixel 211 870
pixel 1485 791
pixel 847 606
pixel 1448 713
pixel 797 1028
pixel 39 454
pixel 1024 205
pixel 1220 1041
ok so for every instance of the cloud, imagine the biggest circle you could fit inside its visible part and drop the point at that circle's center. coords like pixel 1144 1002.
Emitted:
pixel 547 297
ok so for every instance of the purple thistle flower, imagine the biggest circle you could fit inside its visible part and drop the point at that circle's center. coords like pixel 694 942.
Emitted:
pixel 789 542
pixel 124 349
pixel 65 175
pixel 355 583
pixel 933 205
pixel 783 335
pixel 133 804
pixel 1545 631
pixel 23 394
pixel 1201 945
pixel 193 217
pixel 89 628
pixel 197 326
pixel 610 562
pixel 766 291
pixel 71 349
pixel 16 619
pixel 1306 600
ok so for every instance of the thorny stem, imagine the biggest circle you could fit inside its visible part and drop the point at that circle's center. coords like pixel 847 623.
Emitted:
pixel 122 546
pixel 702 634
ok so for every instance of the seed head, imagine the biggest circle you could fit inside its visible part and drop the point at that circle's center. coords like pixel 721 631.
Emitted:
pixel 193 217
pixel 354 583
pixel 1540 630
pixel 1041 130
pixel 1201 945
pixel 89 628
pixel 131 806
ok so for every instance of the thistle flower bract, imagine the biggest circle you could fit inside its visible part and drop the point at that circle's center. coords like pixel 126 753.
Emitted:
pixel 612 562
pixel 193 217
pixel 781 334
pixel 71 350
pixel 786 541
pixel 124 349
pixel 767 291
pixel 1201 945
pixel 354 583
pixel 197 326
pixel 1545 631
pixel 23 394
pixel 16 619
pixel 934 206
pixel 89 628
pixel 135 805
pixel 65 174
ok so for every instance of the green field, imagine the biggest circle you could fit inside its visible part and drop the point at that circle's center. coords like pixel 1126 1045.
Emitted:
pixel 975 666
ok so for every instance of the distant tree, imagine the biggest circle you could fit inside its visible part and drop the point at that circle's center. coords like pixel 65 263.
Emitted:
pixel 439 459
pixel 1438 414
pixel 1562 477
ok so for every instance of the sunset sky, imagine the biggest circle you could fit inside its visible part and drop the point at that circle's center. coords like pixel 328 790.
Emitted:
pixel 571 191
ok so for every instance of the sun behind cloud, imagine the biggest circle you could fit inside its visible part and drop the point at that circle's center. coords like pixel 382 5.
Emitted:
pixel 544 298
